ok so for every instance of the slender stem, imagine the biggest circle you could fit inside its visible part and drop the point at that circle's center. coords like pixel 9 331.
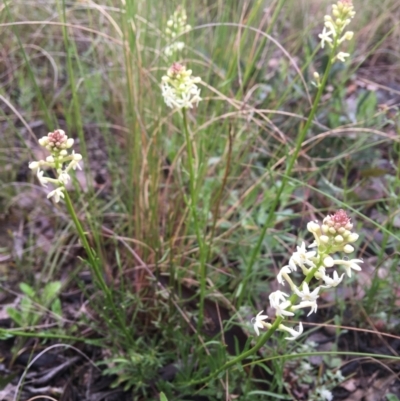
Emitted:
pixel 285 178
pixel 94 264
pixel 196 223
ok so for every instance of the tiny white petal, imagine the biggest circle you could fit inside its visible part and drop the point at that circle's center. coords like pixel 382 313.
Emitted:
pixel 284 271
pixel 257 322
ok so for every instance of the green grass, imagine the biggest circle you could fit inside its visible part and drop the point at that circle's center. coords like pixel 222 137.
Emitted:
pixel 169 240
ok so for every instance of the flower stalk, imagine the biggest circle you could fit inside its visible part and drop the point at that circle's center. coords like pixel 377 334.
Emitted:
pixel 291 162
pixel 58 143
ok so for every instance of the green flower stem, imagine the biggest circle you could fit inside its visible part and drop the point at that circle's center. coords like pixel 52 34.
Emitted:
pixel 285 178
pixel 196 223
pixel 94 264
pixel 263 339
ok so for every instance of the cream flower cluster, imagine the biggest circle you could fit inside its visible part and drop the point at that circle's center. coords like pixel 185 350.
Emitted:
pixel 333 236
pixel 179 88
pixel 334 30
pixel 176 26
pixel 57 143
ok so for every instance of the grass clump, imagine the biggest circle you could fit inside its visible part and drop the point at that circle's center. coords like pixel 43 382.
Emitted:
pixel 194 192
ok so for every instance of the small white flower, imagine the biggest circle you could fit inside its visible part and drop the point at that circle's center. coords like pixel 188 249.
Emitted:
pixel 342 56
pixel 258 322
pixel 306 295
pixel 57 193
pixel 325 36
pixel 350 264
pixel 63 178
pixel 281 309
pixel 307 304
pixel 277 296
pixel 329 24
pixel 293 332
pixel 302 257
pixel 284 273
pixel 74 163
pixel 43 180
pixel 334 281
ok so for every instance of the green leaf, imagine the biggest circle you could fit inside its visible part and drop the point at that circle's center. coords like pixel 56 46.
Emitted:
pixel 15 315
pixel 50 292
pixel 163 397
pixel 27 290
pixel 56 307
pixel 391 397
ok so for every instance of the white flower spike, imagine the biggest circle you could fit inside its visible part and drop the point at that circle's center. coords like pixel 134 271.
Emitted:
pixel 334 32
pixel 179 88
pixel 57 143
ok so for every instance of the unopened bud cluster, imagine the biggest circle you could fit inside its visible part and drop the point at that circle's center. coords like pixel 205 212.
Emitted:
pixel 334 31
pixel 57 143
pixel 176 26
pixel 333 236
pixel 179 88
